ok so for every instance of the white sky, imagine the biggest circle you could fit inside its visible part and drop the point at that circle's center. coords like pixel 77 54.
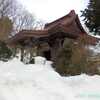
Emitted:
pixel 49 10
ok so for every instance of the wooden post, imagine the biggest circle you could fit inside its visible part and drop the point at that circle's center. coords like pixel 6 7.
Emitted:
pixel 55 46
pixel 22 54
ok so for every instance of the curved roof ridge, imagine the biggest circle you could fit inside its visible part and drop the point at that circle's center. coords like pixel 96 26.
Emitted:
pixel 59 20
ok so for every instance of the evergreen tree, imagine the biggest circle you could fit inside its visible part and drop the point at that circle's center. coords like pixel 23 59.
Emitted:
pixel 92 16
pixel 5 52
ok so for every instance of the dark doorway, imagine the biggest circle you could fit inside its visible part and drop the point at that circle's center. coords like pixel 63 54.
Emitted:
pixel 47 54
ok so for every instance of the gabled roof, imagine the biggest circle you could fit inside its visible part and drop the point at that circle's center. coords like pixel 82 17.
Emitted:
pixel 65 19
pixel 69 25
pixel 69 19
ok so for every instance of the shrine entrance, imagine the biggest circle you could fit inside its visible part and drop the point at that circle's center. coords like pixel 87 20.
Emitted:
pixel 47 54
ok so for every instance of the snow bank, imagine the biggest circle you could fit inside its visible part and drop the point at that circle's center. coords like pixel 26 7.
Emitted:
pixel 41 82
pixel 31 82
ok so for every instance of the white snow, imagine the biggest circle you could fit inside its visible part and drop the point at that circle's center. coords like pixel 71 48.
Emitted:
pixel 40 82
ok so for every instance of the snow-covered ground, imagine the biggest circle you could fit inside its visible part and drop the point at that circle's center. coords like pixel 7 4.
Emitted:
pixel 40 82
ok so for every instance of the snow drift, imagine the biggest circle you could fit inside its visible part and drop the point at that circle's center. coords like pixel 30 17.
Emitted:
pixel 40 82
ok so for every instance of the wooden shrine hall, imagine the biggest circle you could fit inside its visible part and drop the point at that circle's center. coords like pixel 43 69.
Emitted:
pixel 50 39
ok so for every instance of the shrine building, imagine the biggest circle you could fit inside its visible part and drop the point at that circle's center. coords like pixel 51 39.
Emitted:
pixel 49 40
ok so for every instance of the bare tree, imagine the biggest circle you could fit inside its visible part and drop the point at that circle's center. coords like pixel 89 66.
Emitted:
pixel 7 8
pixel 20 17
pixel 39 24
pixel 24 20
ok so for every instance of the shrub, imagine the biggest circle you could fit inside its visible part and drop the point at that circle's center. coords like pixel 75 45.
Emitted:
pixel 5 52
pixel 73 57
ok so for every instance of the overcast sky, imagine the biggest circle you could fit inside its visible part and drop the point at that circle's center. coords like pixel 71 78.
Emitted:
pixel 49 10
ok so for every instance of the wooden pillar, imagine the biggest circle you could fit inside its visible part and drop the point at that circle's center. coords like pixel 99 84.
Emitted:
pixel 22 54
pixel 55 46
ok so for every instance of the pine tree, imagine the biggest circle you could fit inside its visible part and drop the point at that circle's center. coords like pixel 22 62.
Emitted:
pixel 92 16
